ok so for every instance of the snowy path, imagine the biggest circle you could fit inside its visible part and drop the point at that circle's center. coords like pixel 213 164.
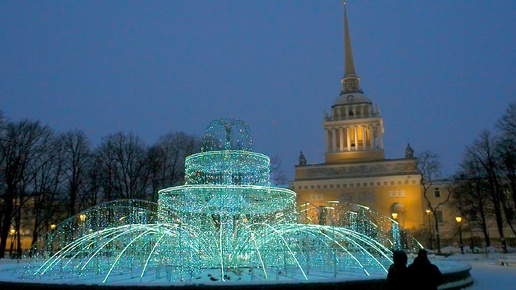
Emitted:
pixel 489 275
pixel 486 273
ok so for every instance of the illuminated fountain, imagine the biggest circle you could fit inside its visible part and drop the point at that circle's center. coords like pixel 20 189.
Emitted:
pixel 225 224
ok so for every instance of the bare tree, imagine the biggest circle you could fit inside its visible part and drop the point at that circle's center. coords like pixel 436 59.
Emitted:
pixel 506 160
pixel 76 162
pixel 45 200
pixel 507 124
pixel 430 170
pixel 166 160
pixel 483 152
pixel 21 143
pixel 3 122
pixel 122 159
pixel 506 151
pixel 278 176
pixel 470 197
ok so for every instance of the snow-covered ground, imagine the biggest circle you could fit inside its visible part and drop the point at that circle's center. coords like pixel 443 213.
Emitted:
pixel 486 271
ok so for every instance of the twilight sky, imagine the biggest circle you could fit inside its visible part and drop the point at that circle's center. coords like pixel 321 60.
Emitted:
pixel 441 71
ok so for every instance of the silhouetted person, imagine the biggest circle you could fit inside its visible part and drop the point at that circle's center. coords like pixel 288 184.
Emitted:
pixel 423 274
pixel 397 278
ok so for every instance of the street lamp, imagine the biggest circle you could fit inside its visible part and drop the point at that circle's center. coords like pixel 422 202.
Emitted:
pixel 430 231
pixel 13 236
pixel 396 232
pixel 82 217
pixel 459 221
pixel 52 226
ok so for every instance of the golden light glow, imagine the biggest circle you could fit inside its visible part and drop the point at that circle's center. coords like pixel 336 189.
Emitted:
pixel 82 217
pixel 458 219
pixel 52 226
pixel 13 231
pixel 394 215
pixel 428 211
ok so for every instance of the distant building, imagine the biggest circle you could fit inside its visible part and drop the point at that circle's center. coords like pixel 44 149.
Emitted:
pixel 355 169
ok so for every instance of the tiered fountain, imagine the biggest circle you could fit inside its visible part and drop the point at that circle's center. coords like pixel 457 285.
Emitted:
pixel 225 224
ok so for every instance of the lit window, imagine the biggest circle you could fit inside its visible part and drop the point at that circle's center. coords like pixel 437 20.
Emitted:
pixel 437 192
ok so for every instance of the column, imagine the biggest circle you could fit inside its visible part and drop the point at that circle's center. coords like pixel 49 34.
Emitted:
pixel 327 140
pixel 369 131
pixel 348 138
pixel 373 137
pixel 355 128
pixel 333 140
pixel 363 136
pixel 341 135
pixel 380 136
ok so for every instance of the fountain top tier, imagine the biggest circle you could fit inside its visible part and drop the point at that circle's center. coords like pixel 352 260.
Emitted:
pixel 227 134
pixel 226 157
pixel 227 179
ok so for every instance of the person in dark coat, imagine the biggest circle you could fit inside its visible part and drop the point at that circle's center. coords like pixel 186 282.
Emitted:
pixel 423 274
pixel 397 277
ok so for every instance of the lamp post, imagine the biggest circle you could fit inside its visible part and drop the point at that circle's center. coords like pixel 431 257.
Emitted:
pixel 430 231
pixel 13 237
pixel 395 232
pixel 459 221
pixel 82 224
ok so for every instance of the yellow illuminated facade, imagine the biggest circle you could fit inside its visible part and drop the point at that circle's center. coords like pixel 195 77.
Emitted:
pixel 355 169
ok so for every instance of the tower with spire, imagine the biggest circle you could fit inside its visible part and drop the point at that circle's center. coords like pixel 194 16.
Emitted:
pixel 355 169
pixel 350 81
pixel 354 128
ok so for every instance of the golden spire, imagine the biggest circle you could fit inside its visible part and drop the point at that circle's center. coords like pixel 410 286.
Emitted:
pixel 350 81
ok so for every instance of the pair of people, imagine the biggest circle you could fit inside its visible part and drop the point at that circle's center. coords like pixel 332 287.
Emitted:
pixel 421 274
